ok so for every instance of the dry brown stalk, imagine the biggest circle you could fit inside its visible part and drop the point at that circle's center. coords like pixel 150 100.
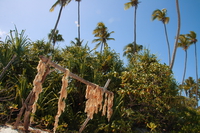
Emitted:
pixel 63 96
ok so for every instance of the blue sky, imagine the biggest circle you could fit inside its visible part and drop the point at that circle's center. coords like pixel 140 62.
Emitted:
pixel 35 18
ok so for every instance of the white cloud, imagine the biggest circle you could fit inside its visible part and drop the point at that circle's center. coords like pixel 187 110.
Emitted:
pixel 2 33
pixel 76 22
pixel 111 20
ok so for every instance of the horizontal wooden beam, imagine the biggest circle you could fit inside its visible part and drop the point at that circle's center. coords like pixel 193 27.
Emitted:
pixel 45 59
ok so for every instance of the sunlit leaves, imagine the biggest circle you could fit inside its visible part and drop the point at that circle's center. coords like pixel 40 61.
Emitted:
pixel 131 4
pixel 161 15
pixel 147 86
pixel 18 41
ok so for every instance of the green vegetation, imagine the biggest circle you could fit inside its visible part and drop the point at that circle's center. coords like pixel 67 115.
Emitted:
pixel 147 96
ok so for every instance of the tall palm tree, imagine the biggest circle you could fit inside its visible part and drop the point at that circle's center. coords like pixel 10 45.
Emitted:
pixel 192 37
pixel 129 50
pixel 77 43
pixel 62 4
pixel 177 35
pixel 55 36
pixel 78 18
pixel 189 86
pixel 161 16
pixel 103 35
pixel 184 43
pixel 133 3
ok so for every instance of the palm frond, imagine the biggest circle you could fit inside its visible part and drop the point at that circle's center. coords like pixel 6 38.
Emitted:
pixel 111 39
pixel 153 17
pixel 61 2
pixel 193 34
pixel 54 5
pixel 166 20
pixel 97 45
pixel 127 5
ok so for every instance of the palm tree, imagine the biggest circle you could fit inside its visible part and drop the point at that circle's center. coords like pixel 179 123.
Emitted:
pixel 184 43
pixel 189 86
pixel 129 50
pixel 133 3
pixel 55 36
pixel 78 18
pixel 192 37
pixel 77 43
pixel 161 16
pixel 103 35
pixel 177 35
pixel 62 4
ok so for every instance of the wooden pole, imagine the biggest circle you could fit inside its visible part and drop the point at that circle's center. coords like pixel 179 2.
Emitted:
pixel 22 110
pixel 44 59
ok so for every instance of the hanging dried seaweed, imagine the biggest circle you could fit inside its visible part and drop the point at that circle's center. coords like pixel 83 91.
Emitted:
pixel 94 96
pixel 94 100
pixel 37 84
pixel 109 105
pixel 63 96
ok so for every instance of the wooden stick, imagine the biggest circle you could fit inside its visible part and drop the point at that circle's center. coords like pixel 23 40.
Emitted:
pixel 7 66
pixel 44 59
pixel 84 124
pixel 87 120
pixel 22 110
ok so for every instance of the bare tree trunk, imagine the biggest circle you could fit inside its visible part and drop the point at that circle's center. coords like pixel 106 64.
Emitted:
pixel 53 32
pixel 28 112
pixel 184 67
pixel 24 105
pixel 177 35
pixel 79 21
pixel 197 84
pixel 169 54
pixel 7 66
pixel 135 30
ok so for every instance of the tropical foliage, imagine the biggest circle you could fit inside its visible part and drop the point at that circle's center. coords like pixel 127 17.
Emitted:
pixel 55 37
pixel 147 97
pixel 129 51
pixel 102 34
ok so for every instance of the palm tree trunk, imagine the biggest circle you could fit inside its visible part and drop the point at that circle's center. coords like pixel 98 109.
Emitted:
pixel 135 29
pixel 79 20
pixel 61 7
pixel 101 47
pixel 167 43
pixel 177 35
pixel 196 73
pixel 184 67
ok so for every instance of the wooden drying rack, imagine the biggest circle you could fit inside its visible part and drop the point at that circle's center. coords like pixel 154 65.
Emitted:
pixel 27 104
